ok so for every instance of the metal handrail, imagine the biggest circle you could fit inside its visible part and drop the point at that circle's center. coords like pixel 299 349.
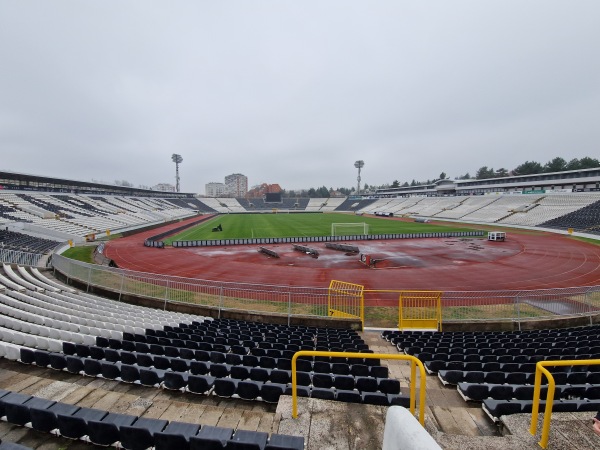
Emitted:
pixel 539 370
pixel 413 374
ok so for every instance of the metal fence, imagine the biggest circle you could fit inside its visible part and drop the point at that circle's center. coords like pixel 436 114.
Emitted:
pixel 9 256
pixel 381 306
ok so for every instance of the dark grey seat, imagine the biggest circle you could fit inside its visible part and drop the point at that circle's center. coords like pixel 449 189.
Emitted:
pixel 74 426
pixel 175 436
pixel 211 438
pixel 140 434
pixel 46 419
pixel 107 430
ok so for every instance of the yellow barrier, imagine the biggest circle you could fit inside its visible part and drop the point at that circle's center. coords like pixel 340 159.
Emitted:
pixel 539 370
pixel 420 309
pixel 346 300
pixel 413 375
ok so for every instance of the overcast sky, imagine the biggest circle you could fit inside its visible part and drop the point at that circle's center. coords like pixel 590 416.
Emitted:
pixel 294 92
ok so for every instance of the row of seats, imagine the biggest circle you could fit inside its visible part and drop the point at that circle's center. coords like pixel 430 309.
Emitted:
pixel 582 375
pixel 481 391
pixel 132 432
pixel 188 348
pixel 248 383
pixel 435 366
pixel 498 408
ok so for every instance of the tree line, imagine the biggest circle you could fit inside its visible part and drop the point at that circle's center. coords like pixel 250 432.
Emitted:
pixel 557 164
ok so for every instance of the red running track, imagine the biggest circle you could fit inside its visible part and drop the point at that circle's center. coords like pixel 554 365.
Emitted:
pixel 527 260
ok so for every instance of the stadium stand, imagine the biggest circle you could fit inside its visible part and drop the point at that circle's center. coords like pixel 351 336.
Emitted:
pixel 498 368
pixel 586 219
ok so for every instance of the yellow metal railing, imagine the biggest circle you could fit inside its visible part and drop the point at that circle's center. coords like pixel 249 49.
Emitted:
pixel 413 375
pixel 539 370
pixel 346 300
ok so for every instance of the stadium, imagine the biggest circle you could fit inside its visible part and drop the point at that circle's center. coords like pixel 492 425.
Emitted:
pixel 184 327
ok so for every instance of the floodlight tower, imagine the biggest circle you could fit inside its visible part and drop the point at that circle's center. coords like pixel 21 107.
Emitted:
pixel 177 159
pixel 359 165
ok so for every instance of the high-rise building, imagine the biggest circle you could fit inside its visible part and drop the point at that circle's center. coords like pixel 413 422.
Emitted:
pixel 236 185
pixel 214 189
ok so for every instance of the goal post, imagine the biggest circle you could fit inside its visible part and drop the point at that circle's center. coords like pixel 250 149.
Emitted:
pixel 420 309
pixel 346 300
pixel 350 228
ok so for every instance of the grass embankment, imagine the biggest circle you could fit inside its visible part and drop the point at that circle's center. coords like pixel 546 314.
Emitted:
pixel 84 254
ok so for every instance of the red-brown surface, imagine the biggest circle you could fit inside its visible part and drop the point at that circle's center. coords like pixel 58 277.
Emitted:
pixel 525 261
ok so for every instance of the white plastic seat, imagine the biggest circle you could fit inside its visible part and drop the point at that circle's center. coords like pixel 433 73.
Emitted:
pixel 12 352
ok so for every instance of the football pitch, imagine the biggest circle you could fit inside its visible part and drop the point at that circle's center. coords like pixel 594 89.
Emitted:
pixel 246 226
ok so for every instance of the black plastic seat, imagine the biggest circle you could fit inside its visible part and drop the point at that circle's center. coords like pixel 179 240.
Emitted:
pixel 144 360
pixel 375 398
pixel 210 438
pixel 388 385
pixel 82 350
pixel 175 380
pixel 280 376
pixel 322 380
pixel 41 358
pixel 46 419
pixel 200 384
pixel 348 396
pixel 501 392
pixel 16 407
pixel 140 435
pixel 96 352
pixel 234 359
pixel 451 376
pixel 112 355
pixel 474 391
pixel 175 436
pixel 340 369
pixel 58 361
pixel 359 370
pixel 247 440
pixel 107 430
pixel 495 377
pixel 270 392
pixel 69 348
pixel 499 408
pixel 199 367
pixel 162 362
pixel 151 377
pixel 366 384
pixel 344 382
pixel 92 367
pixel 220 370
pixel 74 364
pixel 249 389
pixel 75 426
pixel 322 393
pixel 129 374
pixel 379 372
pixel 225 387
pixel 260 374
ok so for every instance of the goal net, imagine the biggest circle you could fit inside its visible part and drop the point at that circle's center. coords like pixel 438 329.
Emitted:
pixel 348 229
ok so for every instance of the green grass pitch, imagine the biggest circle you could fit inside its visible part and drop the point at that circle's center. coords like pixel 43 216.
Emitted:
pixel 243 226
